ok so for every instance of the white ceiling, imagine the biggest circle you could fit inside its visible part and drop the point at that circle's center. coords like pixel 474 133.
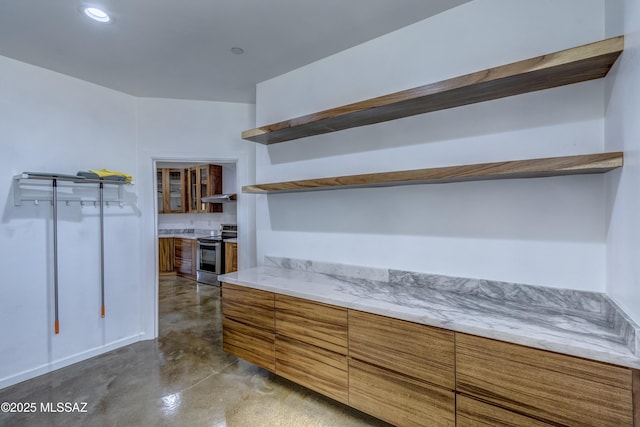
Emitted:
pixel 181 48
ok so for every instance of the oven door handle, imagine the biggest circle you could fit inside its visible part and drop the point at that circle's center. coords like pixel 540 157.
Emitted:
pixel 209 245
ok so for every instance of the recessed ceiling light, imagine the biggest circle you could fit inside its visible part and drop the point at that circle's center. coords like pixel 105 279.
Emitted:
pixel 96 14
pixel 237 50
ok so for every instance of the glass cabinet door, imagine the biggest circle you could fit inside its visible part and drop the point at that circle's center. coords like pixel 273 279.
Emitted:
pixel 176 193
pixel 160 188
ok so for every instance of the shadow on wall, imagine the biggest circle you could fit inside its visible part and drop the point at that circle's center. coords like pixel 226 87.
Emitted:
pixel 491 210
pixel 567 104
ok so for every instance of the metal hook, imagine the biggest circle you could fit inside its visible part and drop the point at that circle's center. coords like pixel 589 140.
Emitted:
pixel 36 202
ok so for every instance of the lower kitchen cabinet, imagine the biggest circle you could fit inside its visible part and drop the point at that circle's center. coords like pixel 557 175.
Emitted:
pixel 251 344
pixel 166 255
pixel 311 345
pixel 548 386
pixel 473 413
pixel 313 367
pixel 398 399
pixel 249 325
pixel 185 257
pixel 322 325
pixel 416 375
pixel 230 257
pixel 249 306
pixel 419 351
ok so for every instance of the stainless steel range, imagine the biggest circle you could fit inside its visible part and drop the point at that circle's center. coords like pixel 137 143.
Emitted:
pixel 210 254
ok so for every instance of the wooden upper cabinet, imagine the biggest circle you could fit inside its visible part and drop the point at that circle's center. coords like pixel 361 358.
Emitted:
pixel 202 181
pixel 548 386
pixel 171 185
pixel 420 351
pixel 322 325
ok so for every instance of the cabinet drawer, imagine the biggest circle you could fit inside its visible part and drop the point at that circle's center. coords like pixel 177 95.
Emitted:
pixel 311 322
pixel 321 370
pixel 250 306
pixel 473 413
pixel 415 350
pixel 545 385
pixel 254 345
pixel 184 249
pixel 184 267
pixel 400 400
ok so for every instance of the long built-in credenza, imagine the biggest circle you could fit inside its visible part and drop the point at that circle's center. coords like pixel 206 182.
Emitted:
pixel 398 353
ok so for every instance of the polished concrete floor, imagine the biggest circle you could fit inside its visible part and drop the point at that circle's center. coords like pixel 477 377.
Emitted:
pixel 183 378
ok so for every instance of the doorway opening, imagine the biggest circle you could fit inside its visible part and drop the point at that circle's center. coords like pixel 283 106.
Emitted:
pixel 181 216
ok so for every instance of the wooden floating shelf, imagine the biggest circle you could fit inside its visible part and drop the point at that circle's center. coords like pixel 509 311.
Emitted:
pixel 534 168
pixel 587 62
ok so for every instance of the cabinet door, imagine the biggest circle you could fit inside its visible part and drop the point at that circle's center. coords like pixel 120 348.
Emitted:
pixel 230 257
pixel 398 399
pixel 473 413
pixel 313 367
pixel 419 351
pixel 202 181
pixel 160 183
pixel 548 386
pixel 176 187
pixel 185 257
pixel 252 307
pixel 171 190
pixel 166 255
pixel 315 323
pixel 254 345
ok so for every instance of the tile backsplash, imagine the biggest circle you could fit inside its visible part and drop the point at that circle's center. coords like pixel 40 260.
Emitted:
pixel 209 221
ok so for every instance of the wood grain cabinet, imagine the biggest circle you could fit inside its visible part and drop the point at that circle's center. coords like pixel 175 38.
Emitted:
pixel 416 375
pixel 185 257
pixel 249 324
pixel 166 255
pixel 311 345
pixel 202 181
pixel 473 413
pixel 171 185
pixel 230 257
pixel 547 386
pixel 400 371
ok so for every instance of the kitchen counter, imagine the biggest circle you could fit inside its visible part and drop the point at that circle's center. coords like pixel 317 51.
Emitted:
pixel 578 323
pixel 188 233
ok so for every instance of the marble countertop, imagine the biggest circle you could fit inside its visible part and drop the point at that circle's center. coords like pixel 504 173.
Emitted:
pixel 188 233
pixel 594 333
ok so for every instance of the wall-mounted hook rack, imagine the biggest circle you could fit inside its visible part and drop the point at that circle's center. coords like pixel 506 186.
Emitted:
pixel 36 187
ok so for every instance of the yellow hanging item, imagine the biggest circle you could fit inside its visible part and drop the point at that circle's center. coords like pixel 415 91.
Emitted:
pixel 104 172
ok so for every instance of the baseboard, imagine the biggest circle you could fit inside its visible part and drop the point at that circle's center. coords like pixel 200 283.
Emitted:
pixel 69 360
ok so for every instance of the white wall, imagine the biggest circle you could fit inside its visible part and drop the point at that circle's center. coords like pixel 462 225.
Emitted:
pixel 623 133
pixel 547 231
pixel 54 123
pixel 181 130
